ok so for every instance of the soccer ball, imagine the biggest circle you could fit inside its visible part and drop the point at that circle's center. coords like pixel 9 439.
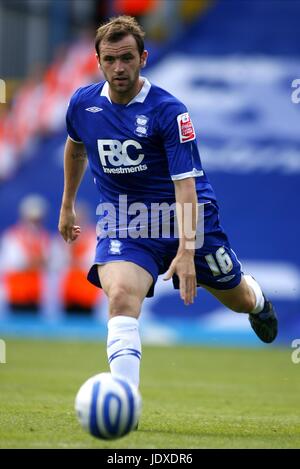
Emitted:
pixel 108 407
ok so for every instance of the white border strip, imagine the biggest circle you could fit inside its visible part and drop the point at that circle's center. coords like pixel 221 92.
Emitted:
pixel 194 173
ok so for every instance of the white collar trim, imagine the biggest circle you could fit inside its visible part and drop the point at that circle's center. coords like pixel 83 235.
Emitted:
pixel 139 98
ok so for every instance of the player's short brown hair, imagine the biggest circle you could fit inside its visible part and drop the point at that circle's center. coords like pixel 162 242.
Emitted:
pixel 117 28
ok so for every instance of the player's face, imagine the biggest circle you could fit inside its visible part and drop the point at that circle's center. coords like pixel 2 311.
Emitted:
pixel 121 63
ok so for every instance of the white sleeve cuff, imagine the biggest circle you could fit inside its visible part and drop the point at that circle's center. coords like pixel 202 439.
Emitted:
pixel 194 173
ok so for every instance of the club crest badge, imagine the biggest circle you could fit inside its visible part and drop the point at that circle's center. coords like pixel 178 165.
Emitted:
pixel 141 126
pixel 115 246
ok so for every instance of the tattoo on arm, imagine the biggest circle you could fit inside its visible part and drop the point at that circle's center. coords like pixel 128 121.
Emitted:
pixel 79 155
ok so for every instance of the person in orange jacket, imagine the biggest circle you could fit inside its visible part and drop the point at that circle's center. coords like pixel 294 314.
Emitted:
pixel 77 295
pixel 24 256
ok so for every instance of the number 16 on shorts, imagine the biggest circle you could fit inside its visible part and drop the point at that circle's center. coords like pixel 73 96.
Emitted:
pixel 221 264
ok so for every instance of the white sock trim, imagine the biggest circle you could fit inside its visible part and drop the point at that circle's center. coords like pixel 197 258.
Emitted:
pixel 121 322
pixel 260 301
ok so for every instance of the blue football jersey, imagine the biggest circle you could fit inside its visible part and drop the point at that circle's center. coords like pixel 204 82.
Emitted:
pixel 137 149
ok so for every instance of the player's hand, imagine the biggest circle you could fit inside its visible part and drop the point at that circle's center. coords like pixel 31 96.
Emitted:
pixel 66 225
pixel 184 266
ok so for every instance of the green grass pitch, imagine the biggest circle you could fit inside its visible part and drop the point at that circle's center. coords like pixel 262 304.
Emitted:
pixel 193 397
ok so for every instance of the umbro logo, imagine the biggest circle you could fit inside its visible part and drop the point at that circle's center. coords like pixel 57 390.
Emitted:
pixel 94 109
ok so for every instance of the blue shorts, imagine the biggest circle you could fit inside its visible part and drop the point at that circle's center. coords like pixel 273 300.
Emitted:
pixel 216 264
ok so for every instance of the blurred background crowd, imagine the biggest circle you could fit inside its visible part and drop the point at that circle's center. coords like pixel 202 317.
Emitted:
pixel 49 54
pixel 232 62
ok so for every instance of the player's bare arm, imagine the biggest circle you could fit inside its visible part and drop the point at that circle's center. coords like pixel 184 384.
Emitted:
pixel 75 162
pixel 183 264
